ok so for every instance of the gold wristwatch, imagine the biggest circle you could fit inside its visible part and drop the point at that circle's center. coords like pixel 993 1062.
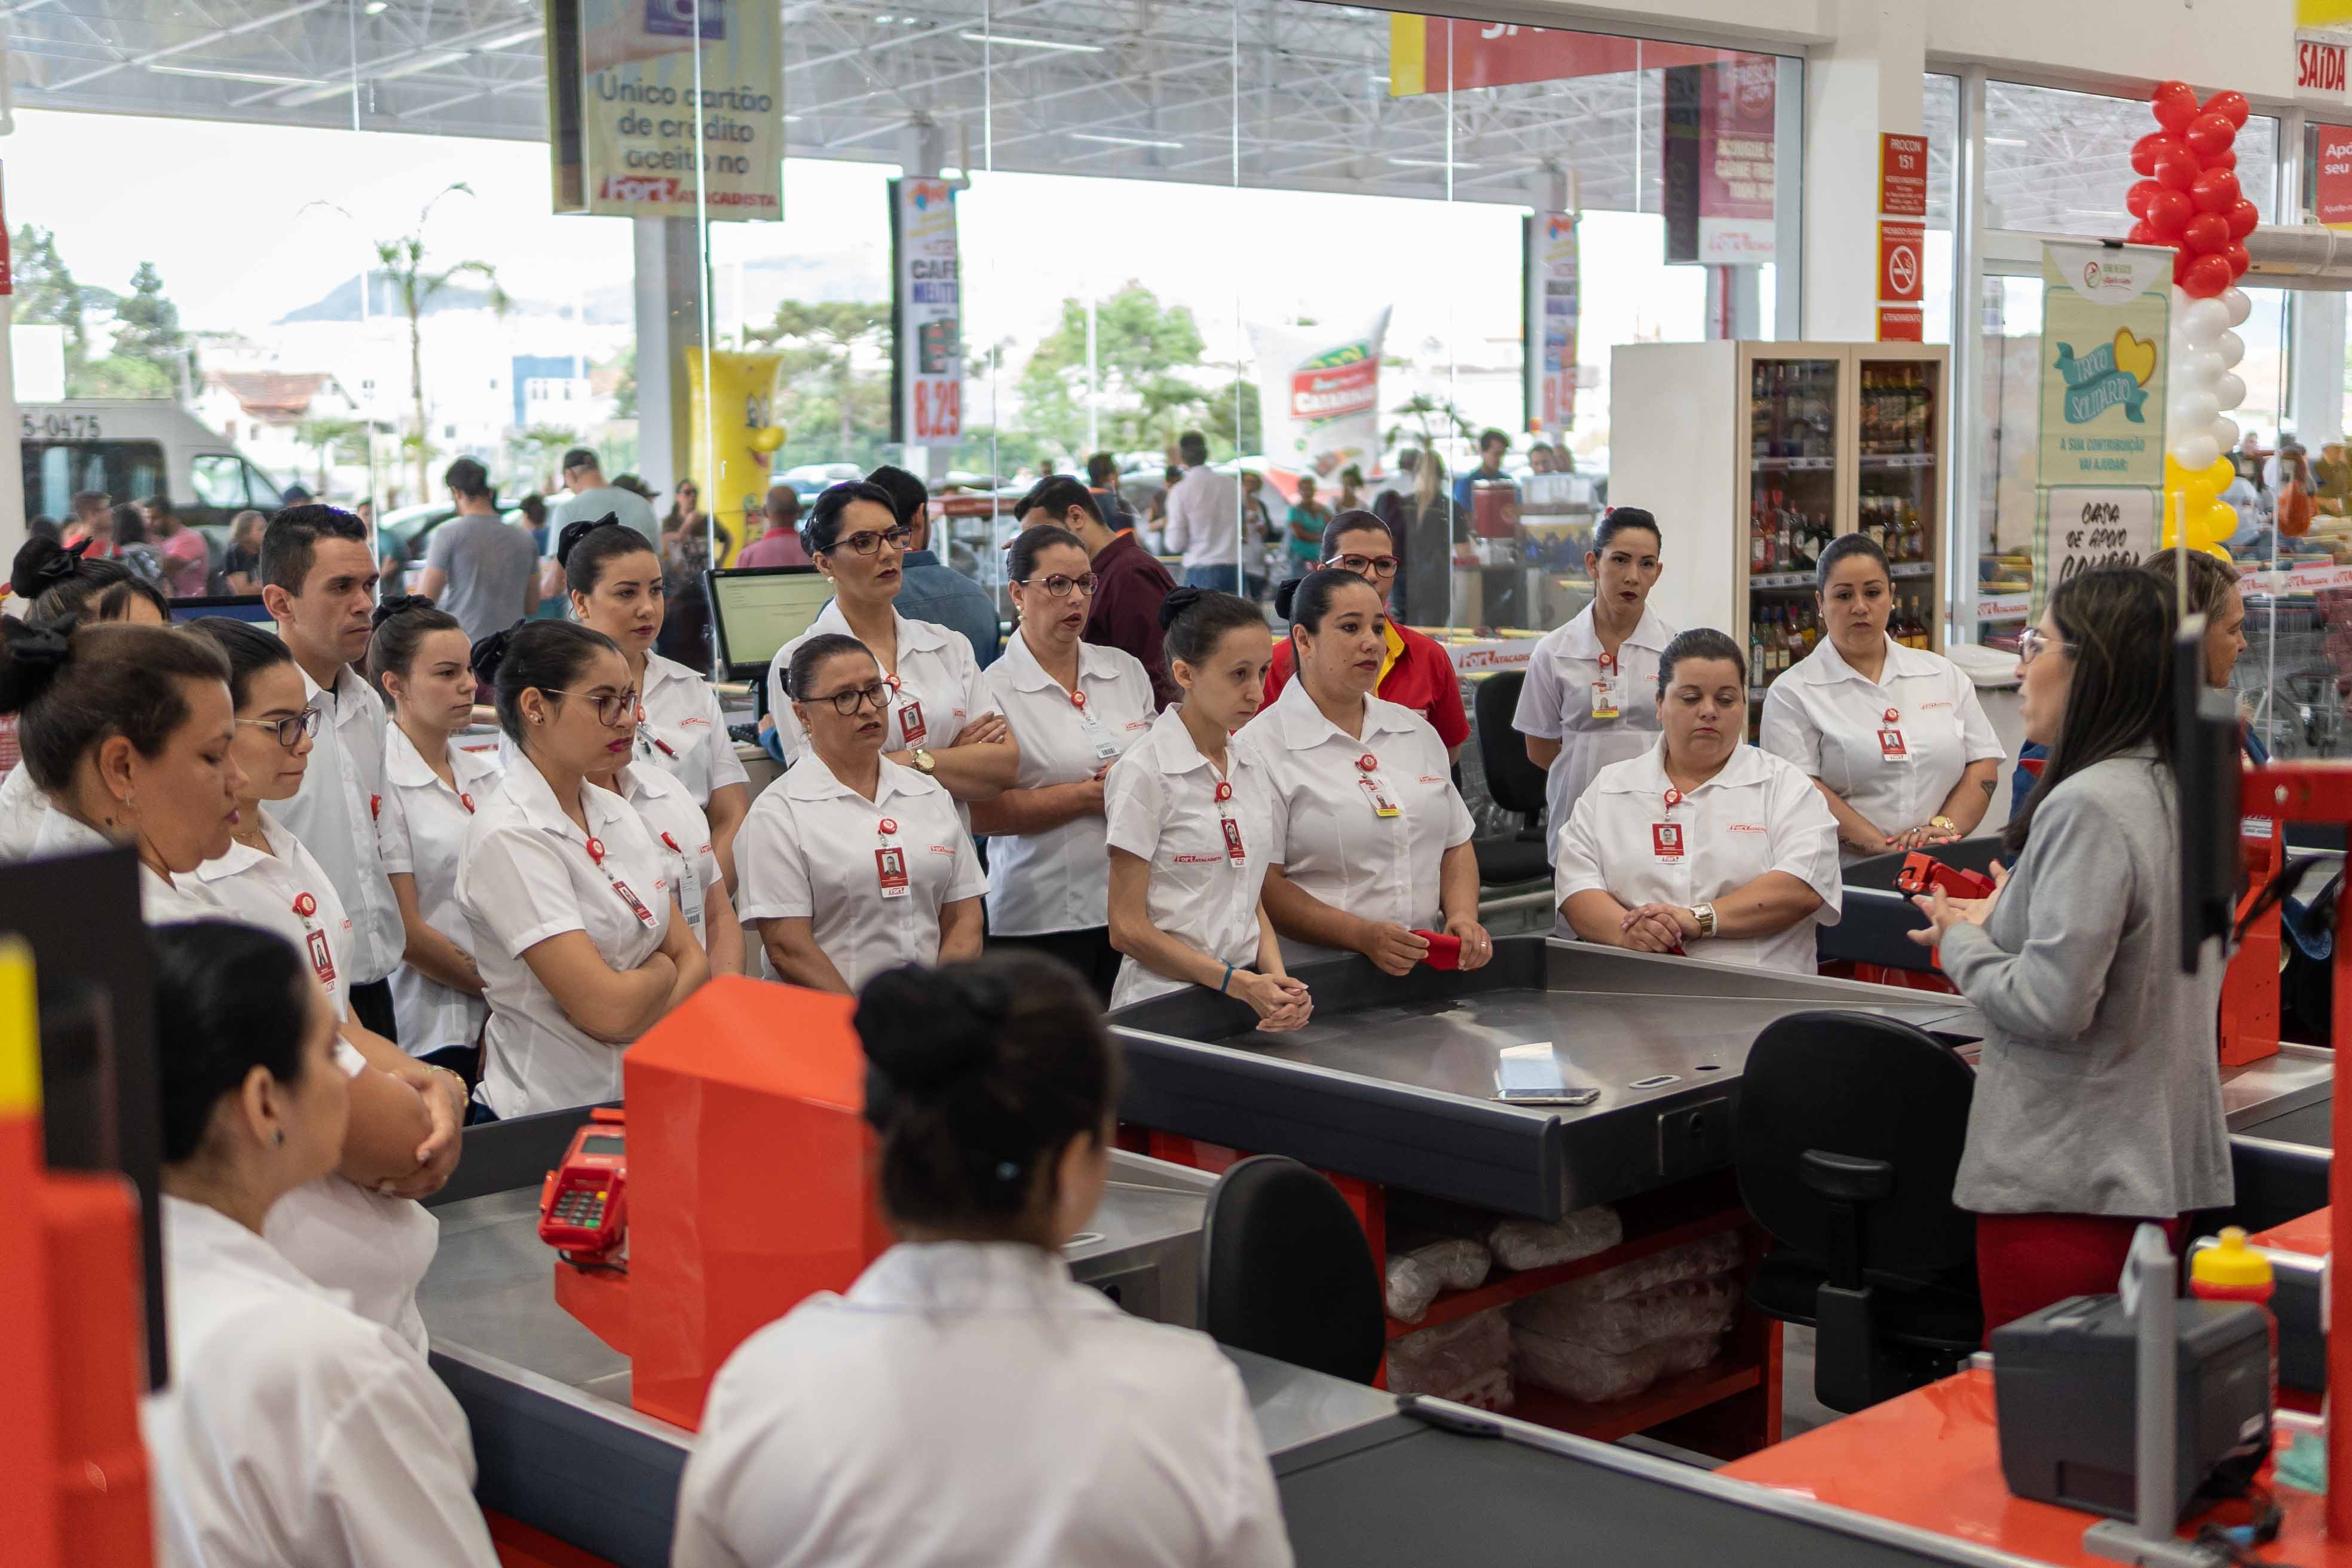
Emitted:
pixel 925 763
pixel 1945 825
pixel 1704 915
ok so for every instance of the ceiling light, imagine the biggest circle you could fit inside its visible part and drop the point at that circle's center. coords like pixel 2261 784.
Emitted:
pixel 1429 163
pixel 377 7
pixel 1121 141
pixel 236 76
pixel 1013 42
pixel 2005 142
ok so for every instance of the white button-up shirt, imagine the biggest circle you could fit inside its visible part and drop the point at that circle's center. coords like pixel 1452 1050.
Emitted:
pixel 1556 704
pixel 685 732
pixel 21 804
pixel 939 689
pixel 869 1430
pixel 1057 880
pixel 1204 518
pixel 263 890
pixel 1330 837
pixel 527 876
pixel 295 1433
pixel 680 832
pixel 1758 815
pixel 334 813
pixel 421 833
pixel 1161 805
pixel 811 849
pixel 1830 722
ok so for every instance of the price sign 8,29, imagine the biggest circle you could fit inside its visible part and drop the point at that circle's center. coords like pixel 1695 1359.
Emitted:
pixel 939 409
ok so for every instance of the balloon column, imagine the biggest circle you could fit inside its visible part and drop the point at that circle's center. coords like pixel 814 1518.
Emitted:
pixel 2188 199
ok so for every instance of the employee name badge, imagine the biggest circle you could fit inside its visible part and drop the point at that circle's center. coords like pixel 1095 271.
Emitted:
pixel 890 863
pixel 1666 837
pixel 637 905
pixel 1234 851
pixel 1106 749
pixel 1890 739
pixel 1384 807
pixel 690 897
pixel 1604 689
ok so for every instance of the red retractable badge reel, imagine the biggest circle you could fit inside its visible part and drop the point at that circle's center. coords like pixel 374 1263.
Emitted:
pixel 1367 763
pixel 467 801
pixel 305 905
pixel 596 852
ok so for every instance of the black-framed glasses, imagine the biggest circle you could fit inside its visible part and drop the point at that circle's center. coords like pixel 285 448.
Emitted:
pixel 849 700
pixel 610 710
pixel 1058 585
pixel 1375 565
pixel 896 538
pixel 2032 645
pixel 289 731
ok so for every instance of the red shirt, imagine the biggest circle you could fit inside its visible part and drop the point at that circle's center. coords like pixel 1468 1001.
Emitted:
pixel 1129 583
pixel 1422 679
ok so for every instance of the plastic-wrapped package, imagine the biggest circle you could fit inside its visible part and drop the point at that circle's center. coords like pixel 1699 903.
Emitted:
pixel 1450 1356
pixel 1595 1376
pixel 1700 1260
pixel 1487 1391
pixel 1416 1276
pixel 1524 1244
pixel 1677 1311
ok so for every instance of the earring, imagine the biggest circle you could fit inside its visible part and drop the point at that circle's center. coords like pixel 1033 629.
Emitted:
pixel 281 1138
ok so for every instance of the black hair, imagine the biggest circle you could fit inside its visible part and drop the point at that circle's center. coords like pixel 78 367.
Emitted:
pixel 75 686
pixel 821 529
pixel 978 1074
pixel 534 507
pixel 54 583
pixel 1194 620
pixel 2118 624
pixel 1846 547
pixel 810 656
pixel 291 542
pixel 584 548
pixel 1021 559
pixel 248 648
pixel 1102 468
pixel 161 505
pixel 129 524
pixel 908 495
pixel 1620 519
pixel 2211 582
pixel 1491 433
pixel 1057 494
pixel 1355 520
pixel 1700 643
pixel 229 997
pixel 535 655
pixel 1193 447
pixel 1306 600
pixel 402 624
pixel 467 478
pixel 580 458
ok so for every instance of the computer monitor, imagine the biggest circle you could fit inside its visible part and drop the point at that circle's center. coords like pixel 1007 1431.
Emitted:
pixel 235 606
pixel 757 609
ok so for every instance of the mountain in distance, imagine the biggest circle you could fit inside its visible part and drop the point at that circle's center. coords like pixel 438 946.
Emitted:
pixel 852 272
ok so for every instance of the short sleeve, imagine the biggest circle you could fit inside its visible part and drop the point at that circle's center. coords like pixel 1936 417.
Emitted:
pixel 1804 840
pixel 397 1470
pixel 970 881
pixel 1978 743
pixel 392 849
pixel 726 767
pixel 977 698
pixel 1575 851
pixel 516 891
pixel 1537 713
pixel 771 871
pixel 1787 732
pixel 437 547
pixel 1134 801
pixel 1446 713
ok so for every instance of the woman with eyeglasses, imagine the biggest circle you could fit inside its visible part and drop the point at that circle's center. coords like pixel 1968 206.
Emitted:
pixel 853 863
pixel 2099 1095
pixel 940 720
pixel 1415 672
pixel 1075 708
pixel 1586 702
pixel 616 582
pixel 575 923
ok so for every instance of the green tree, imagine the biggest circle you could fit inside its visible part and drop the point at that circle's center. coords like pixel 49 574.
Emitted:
pixel 825 385
pixel 335 440
pixel 624 394
pixel 538 448
pixel 147 327
pixel 1142 348
pixel 120 375
pixel 416 285
pixel 47 294
pixel 1434 419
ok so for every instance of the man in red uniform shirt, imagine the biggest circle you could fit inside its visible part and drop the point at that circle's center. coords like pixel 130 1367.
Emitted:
pixel 1129 581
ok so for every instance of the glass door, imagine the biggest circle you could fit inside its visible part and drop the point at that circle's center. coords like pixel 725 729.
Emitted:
pixel 1792 506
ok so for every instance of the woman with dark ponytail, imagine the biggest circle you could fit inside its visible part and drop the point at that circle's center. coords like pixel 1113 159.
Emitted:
pixel 873 1428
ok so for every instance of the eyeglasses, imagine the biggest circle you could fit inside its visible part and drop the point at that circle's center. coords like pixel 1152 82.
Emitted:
pixel 898 538
pixel 2032 645
pixel 1058 586
pixel 849 700
pixel 1378 565
pixel 610 710
pixel 289 731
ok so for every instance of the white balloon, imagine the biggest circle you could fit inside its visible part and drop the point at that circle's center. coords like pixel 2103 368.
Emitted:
pixel 2225 432
pixel 2203 322
pixel 2199 369
pixel 2180 301
pixel 2234 301
pixel 2195 450
pixel 2194 410
pixel 2231 348
pixel 2230 390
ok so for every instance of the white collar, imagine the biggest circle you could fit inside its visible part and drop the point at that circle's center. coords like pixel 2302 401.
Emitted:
pixel 404 765
pixel 529 789
pixel 1302 725
pixel 810 779
pixel 347 684
pixel 1827 666
pixel 242 857
pixel 1581 638
pixel 1029 674
pixel 972 1276
pixel 921 636
pixel 1646 774
pixel 198 1235
pixel 642 781
pixel 1180 756
pixel 660 671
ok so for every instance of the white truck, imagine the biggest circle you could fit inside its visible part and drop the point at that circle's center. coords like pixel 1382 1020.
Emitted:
pixel 132 448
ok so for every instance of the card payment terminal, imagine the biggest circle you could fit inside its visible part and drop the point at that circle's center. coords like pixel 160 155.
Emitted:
pixel 583 1206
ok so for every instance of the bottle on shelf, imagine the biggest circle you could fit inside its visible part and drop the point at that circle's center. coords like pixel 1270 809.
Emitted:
pixel 1756 650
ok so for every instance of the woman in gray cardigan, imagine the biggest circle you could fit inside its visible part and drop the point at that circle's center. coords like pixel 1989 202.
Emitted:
pixel 2098 1098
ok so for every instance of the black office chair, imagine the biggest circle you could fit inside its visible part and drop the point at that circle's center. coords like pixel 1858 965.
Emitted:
pixel 1849 1138
pixel 1516 784
pixel 1285 1271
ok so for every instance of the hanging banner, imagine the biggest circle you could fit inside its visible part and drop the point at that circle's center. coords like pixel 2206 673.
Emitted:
pixel 1447 54
pixel 2082 529
pixel 1554 305
pixel 1319 394
pixel 2331 202
pixel 667 108
pixel 2105 324
pixel 926 315
pixel 1716 163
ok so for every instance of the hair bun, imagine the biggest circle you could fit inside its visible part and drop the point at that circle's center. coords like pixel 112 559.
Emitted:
pixel 35 656
pixel 573 532
pixel 1178 601
pixel 41 564
pixel 399 605
pixel 925 1033
pixel 1285 595
pixel 487 655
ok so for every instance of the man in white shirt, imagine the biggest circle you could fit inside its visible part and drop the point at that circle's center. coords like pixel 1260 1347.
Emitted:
pixel 592 497
pixel 1205 520
pixel 318 582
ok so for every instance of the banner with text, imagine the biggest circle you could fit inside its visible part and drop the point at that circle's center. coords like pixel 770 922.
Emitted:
pixel 1442 53
pixel 2105 328
pixel 1554 307
pixel 926 315
pixel 2083 529
pixel 1716 163
pixel 1321 390
pixel 667 108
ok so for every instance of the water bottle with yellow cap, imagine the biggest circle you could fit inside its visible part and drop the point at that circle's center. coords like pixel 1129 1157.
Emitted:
pixel 2233 1271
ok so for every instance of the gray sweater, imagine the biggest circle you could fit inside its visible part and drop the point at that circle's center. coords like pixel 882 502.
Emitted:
pixel 2099 1092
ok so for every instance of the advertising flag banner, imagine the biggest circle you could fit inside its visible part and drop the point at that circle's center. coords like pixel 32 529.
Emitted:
pixel 1555 304
pixel 926 314
pixel 1319 394
pixel 2106 333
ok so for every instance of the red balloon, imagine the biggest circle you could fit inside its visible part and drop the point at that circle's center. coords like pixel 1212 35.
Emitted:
pixel 2136 200
pixel 2206 233
pixel 2146 150
pixel 2177 168
pixel 2239 261
pixel 2230 106
pixel 2208 134
pixel 2168 213
pixel 2214 191
pixel 2243 219
pixel 2205 276
pixel 2176 110
pixel 2226 158
pixel 2180 260
pixel 2142 234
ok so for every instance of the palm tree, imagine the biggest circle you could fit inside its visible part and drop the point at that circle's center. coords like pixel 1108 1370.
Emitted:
pixel 832 332
pixel 331 439
pixel 416 285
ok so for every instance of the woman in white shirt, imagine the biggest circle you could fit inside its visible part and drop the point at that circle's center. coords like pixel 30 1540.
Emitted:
pixel 1705 845
pixel 616 588
pixel 689 858
pixel 1076 708
pixel 1894 736
pixel 575 925
pixel 873 1429
pixel 1189 819
pixel 940 720
pixel 294 1432
pixel 419 658
pixel 1372 842
pixel 1586 702
pixel 852 863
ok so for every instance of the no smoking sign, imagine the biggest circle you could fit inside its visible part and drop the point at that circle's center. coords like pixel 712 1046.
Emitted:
pixel 1900 248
